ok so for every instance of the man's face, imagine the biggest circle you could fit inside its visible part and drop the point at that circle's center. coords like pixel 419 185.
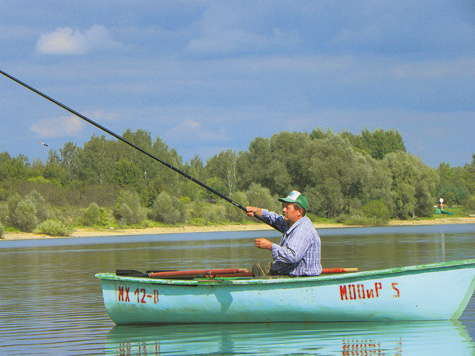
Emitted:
pixel 290 214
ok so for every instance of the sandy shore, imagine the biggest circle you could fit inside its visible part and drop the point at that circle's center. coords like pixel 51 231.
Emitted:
pixel 185 229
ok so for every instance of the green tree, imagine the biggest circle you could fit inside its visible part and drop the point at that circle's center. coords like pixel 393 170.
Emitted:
pixel 224 167
pixel 53 171
pixel 168 209
pixel 69 160
pixel 95 215
pixel 95 161
pixel 254 163
pixel 233 213
pixel 377 143
pixel 377 209
pixel 337 174
pixel 128 209
pixel 217 185
pixel 16 167
pixel 24 216
pixel 262 197
pixel 453 184
pixel 412 184
pixel 39 203
pixel 127 174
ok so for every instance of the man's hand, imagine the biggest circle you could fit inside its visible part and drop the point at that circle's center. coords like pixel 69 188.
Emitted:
pixel 263 243
pixel 252 210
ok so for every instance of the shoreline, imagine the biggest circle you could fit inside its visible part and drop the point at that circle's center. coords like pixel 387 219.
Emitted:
pixel 90 232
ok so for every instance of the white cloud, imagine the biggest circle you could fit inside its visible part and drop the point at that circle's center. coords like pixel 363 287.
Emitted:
pixel 58 127
pixel 66 40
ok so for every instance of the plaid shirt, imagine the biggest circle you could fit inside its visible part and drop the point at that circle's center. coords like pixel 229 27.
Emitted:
pixel 299 251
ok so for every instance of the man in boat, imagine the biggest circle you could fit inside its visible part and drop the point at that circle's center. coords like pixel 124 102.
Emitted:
pixel 298 253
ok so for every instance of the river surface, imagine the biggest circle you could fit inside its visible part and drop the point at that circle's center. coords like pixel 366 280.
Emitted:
pixel 51 303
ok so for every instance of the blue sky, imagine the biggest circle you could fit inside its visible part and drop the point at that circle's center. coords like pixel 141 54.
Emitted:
pixel 207 76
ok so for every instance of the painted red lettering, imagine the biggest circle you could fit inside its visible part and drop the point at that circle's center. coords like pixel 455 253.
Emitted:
pixel 377 287
pixel 369 293
pixel 396 289
pixel 360 288
pixel 352 291
pixel 144 294
pixel 155 296
pixel 123 297
pixel 343 293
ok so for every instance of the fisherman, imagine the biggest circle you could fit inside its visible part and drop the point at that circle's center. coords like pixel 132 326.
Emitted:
pixel 298 253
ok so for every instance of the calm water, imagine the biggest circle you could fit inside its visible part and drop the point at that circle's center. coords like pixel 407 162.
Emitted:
pixel 50 302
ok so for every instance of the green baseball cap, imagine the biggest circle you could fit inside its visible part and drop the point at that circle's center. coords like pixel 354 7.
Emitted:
pixel 296 197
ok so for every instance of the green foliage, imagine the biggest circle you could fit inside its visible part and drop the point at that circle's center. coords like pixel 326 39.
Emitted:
pixel 2 230
pixel 469 204
pixel 233 213
pixel 219 186
pixel 53 228
pixel 376 209
pixel 128 210
pixel 3 213
pixel 261 197
pixel 94 215
pixel 453 185
pixel 25 214
pixel 16 167
pixel 412 185
pixel 224 167
pixel 377 143
pixel 342 175
pixel 41 209
pixel 215 214
pixel 168 209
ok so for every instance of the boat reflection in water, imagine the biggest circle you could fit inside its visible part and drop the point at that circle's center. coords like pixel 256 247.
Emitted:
pixel 351 339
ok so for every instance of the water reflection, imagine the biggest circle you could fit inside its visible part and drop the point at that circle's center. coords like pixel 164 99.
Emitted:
pixel 352 339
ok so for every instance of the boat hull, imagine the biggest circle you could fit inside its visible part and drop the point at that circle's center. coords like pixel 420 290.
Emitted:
pixel 426 292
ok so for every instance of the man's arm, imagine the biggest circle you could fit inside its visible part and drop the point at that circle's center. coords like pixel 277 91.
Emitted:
pixel 260 243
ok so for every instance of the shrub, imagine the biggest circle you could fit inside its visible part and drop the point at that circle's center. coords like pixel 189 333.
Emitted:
pixel 2 230
pixel 168 209
pixel 25 216
pixel 376 209
pixel 41 209
pixel 216 214
pixel 125 215
pixel 94 215
pixel 12 204
pixel 128 208
pixel 53 228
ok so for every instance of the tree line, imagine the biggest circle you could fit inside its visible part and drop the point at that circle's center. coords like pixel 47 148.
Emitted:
pixel 365 178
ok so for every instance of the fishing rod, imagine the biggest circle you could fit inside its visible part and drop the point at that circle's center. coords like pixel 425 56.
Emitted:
pixel 92 122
